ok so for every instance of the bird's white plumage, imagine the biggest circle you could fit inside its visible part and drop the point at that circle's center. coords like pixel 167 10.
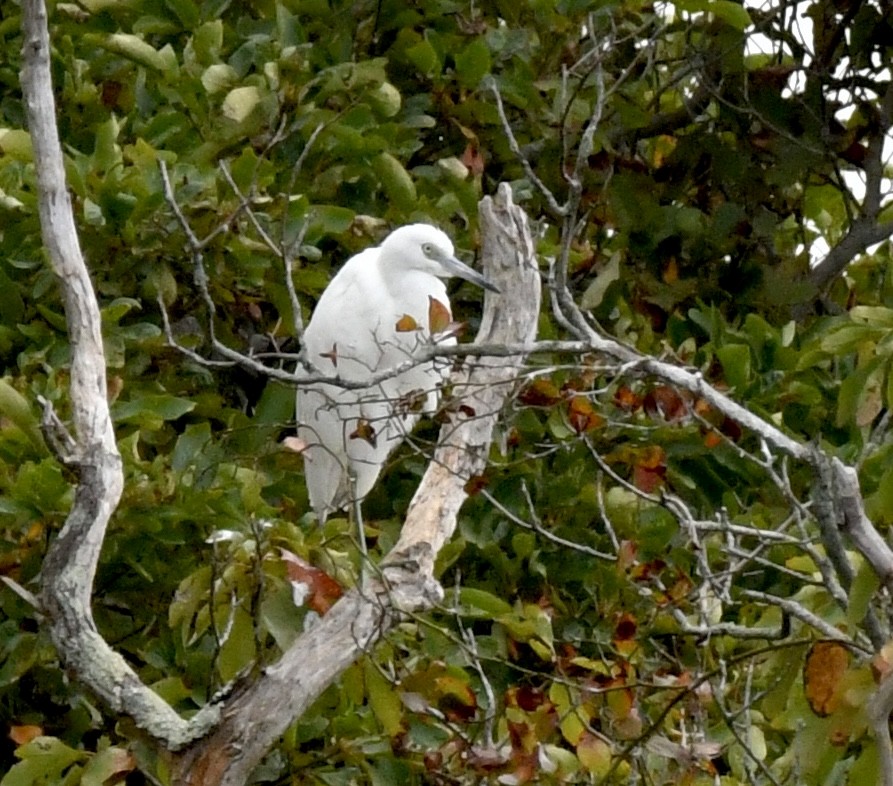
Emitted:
pixel 353 333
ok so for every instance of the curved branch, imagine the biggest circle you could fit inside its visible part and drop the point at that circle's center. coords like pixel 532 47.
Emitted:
pixel 70 565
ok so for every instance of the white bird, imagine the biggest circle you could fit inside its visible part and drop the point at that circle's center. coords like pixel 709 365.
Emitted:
pixel 373 316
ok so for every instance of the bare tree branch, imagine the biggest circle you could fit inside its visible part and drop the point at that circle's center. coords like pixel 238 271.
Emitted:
pixel 880 705
pixel 865 230
pixel 70 565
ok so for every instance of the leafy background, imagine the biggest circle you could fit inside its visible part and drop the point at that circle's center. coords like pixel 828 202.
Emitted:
pixel 572 644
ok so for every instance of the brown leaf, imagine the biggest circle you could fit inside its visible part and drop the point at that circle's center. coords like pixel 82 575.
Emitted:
pixel 364 431
pixel 475 484
pixel 406 324
pixel 439 316
pixel 882 663
pixel 624 639
pixel 481 759
pixel 115 386
pixel 627 554
pixel 731 429
pixel 323 590
pixel 627 399
pixel 457 701
pixel 540 393
pixel 473 158
pixel 651 457
pixel 826 663
pixel 412 401
pixel 626 627
pixel 527 697
pixel 648 480
pixel 331 355
pixel 582 416
pixel 645 571
pixel 665 402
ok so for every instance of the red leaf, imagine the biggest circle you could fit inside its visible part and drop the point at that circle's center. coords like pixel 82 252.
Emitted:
pixel 323 590
pixel 648 480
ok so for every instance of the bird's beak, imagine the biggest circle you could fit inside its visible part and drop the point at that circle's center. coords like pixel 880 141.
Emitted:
pixel 459 269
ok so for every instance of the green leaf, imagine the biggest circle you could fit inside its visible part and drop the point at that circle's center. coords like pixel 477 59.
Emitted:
pixel 730 12
pixel 595 292
pixel 115 311
pixel 849 338
pixel 237 651
pixel 186 10
pixel 219 77
pixel 136 49
pixel 876 316
pixel 105 764
pixel 479 603
pixel 17 411
pixel 862 590
pixel 473 63
pixel 574 720
pixel 191 444
pixel 43 760
pixel 396 181
pixel 861 394
pixel 424 57
pixel 281 617
pixel 735 360
pixel 158 407
pixel 241 102
pixel 383 699
pixel 16 143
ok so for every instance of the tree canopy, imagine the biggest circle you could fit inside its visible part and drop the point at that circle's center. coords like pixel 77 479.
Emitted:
pixel 673 567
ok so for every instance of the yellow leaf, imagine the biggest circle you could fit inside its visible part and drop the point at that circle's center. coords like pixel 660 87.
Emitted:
pixel 594 754
pixel 406 324
pixel 383 700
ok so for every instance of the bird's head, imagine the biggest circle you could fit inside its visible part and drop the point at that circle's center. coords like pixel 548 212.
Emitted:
pixel 427 248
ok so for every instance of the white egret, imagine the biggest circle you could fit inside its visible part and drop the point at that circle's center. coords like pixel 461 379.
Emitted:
pixel 373 316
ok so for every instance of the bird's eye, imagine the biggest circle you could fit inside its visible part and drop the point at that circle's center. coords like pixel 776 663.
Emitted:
pixel 427 249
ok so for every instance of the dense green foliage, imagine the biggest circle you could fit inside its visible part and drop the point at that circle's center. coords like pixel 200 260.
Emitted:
pixel 576 644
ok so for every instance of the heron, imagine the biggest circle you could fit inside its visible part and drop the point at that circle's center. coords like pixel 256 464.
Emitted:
pixel 375 314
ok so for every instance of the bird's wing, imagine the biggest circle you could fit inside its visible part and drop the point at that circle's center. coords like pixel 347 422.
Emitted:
pixel 341 336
